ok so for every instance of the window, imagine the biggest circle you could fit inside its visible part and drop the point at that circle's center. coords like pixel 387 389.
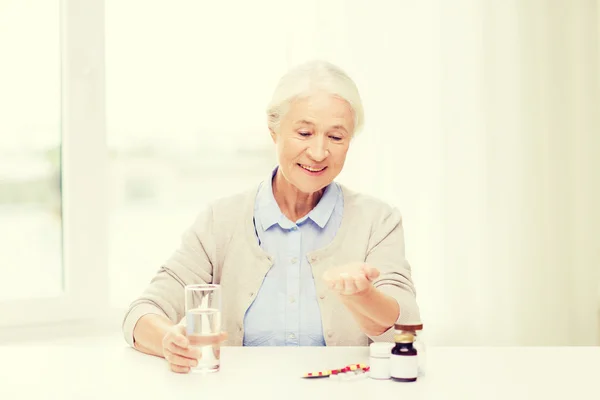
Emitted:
pixel 51 161
pixel 30 140
pixel 186 120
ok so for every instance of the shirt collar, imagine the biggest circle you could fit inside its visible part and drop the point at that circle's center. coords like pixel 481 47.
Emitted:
pixel 269 213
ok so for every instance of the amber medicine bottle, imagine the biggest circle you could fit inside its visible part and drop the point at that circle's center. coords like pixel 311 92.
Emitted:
pixel 404 362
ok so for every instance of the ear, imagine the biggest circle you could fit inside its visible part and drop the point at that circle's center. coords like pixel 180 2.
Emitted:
pixel 273 135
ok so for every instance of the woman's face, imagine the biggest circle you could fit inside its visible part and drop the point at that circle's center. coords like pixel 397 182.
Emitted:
pixel 313 139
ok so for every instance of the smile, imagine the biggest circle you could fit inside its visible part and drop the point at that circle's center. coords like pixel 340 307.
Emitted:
pixel 310 169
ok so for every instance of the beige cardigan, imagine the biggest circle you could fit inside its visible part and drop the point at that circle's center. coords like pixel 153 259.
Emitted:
pixel 221 247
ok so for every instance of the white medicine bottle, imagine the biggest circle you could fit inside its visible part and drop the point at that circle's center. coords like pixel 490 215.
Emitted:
pixel 379 360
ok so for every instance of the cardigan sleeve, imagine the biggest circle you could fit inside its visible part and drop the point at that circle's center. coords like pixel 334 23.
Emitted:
pixel 386 252
pixel 189 264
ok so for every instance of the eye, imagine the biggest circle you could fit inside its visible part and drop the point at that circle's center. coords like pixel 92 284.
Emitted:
pixel 304 133
pixel 336 138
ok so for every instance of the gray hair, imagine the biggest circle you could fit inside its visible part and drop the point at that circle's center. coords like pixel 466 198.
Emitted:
pixel 307 78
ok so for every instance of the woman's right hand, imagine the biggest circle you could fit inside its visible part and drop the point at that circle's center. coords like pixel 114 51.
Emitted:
pixel 178 352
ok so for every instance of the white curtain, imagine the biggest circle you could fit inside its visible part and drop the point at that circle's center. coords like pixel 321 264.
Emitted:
pixel 482 127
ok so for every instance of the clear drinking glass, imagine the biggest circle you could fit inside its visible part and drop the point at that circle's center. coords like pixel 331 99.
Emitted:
pixel 203 321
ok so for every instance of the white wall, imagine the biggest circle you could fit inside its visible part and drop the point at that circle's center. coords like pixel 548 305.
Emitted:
pixel 482 127
pixel 584 48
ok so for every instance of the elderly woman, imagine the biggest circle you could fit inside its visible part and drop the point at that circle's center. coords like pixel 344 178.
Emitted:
pixel 302 260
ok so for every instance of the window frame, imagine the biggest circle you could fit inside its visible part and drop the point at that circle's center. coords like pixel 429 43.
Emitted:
pixel 84 168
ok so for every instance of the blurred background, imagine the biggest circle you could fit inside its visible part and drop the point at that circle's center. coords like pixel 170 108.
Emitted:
pixel 482 126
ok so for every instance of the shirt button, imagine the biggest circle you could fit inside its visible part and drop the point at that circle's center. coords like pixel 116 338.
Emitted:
pixel 294 260
pixel 330 334
pixel 322 296
pixel 251 294
pixel 292 336
pixel 292 299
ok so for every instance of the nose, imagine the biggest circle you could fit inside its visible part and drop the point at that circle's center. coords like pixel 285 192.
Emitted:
pixel 317 149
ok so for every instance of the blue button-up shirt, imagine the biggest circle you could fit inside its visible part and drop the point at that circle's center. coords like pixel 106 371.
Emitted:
pixel 285 311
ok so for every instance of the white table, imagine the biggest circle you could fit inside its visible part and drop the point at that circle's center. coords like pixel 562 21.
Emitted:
pixel 105 368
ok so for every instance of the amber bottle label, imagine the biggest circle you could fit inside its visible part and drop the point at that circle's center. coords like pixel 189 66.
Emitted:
pixel 404 366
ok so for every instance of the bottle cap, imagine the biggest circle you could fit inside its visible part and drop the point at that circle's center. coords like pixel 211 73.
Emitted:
pixel 411 327
pixel 381 349
pixel 404 337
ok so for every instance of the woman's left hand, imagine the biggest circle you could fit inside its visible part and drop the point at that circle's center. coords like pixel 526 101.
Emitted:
pixel 351 279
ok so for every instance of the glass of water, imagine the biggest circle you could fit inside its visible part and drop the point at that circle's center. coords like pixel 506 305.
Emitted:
pixel 203 324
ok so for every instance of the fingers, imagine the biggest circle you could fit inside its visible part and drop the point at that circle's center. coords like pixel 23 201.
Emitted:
pixel 205 340
pixel 354 284
pixel 177 351
pixel 179 369
pixel 178 360
pixel 178 336
pixel 370 272
pixel 175 337
pixel 349 285
pixel 224 336
pixel 346 283
pixel 338 284
pixel 182 351
pixel 361 283
pixel 188 356
pixel 333 284
pixel 329 279
pixel 189 352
